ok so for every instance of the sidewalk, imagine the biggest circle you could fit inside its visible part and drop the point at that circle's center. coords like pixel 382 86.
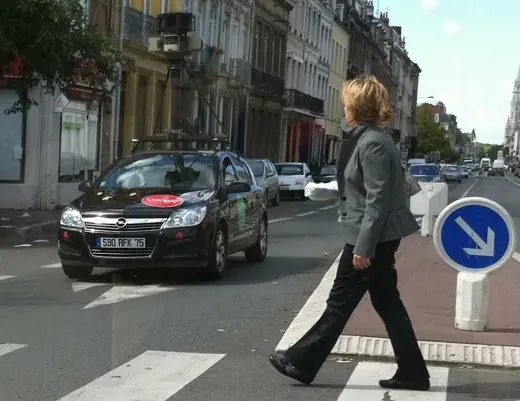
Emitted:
pixel 428 289
pixel 22 223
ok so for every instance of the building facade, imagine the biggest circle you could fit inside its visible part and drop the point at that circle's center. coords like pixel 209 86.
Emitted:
pixel 308 62
pixel 513 120
pixel 337 76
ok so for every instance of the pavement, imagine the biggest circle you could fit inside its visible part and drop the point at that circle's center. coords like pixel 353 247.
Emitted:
pixel 167 336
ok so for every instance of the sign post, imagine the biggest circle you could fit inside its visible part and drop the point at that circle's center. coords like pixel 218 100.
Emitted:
pixel 475 236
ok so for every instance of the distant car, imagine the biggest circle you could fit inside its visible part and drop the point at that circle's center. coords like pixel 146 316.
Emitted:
pixel 267 177
pixel 464 171
pixel 327 174
pixel 451 173
pixel 426 172
pixel 498 168
pixel 293 178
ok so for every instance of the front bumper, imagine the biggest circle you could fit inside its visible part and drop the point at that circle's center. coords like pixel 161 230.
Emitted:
pixel 291 188
pixel 171 248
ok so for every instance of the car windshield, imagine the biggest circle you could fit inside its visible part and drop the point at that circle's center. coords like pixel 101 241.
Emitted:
pixel 257 167
pixel 177 171
pixel 328 170
pixel 451 169
pixel 417 169
pixel 289 169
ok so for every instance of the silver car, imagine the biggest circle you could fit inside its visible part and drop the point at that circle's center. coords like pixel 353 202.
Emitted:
pixel 267 177
pixel 451 173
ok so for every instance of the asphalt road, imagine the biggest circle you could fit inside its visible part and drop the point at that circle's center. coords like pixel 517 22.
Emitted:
pixel 162 336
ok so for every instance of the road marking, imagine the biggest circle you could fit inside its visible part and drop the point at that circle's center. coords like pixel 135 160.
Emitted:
pixel 328 207
pixel 80 286
pixel 52 266
pixel 7 348
pixel 22 246
pixel 5 277
pixel 306 214
pixel 122 293
pixel 152 376
pixel 311 311
pixel 466 192
pixel 512 182
pixel 280 219
pixel 516 256
pixel 361 387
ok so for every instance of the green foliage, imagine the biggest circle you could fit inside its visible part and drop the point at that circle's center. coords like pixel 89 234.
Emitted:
pixel 386 396
pixel 432 137
pixel 55 42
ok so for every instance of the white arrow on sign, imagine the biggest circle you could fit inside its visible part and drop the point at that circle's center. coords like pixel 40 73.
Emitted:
pixel 485 248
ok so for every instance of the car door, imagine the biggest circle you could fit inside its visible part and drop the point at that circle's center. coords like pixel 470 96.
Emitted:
pixel 270 172
pixel 247 204
pixel 229 176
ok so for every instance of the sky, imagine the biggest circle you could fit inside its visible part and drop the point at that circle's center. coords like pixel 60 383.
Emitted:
pixel 469 54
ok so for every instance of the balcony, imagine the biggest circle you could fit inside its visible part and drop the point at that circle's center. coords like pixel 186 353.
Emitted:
pixel 240 72
pixel 206 63
pixel 138 26
pixel 267 83
pixel 300 100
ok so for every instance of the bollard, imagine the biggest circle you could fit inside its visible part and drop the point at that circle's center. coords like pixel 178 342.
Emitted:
pixel 475 236
pixel 429 203
pixel 472 301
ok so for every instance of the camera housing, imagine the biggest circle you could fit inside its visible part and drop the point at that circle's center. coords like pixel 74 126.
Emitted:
pixel 175 35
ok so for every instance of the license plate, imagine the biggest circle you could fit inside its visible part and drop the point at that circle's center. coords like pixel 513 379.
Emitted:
pixel 284 187
pixel 131 243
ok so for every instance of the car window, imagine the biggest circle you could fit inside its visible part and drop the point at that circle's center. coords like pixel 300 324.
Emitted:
pixel 270 169
pixel 451 169
pixel 229 172
pixel 289 169
pixel 257 166
pixel 417 169
pixel 328 170
pixel 242 171
pixel 186 171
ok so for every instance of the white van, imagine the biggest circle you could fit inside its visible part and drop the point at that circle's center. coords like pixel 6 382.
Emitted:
pixel 485 163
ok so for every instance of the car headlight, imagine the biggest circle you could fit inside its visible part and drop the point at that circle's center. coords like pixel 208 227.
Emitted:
pixel 71 217
pixel 299 181
pixel 187 217
pixel 436 179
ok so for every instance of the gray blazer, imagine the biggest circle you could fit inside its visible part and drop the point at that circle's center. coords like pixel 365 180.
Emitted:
pixel 373 203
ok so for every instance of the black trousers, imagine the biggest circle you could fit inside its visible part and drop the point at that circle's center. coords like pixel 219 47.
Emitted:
pixel 349 287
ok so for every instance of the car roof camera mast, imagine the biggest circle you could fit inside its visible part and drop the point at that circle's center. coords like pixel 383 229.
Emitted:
pixel 177 42
pixel 177 140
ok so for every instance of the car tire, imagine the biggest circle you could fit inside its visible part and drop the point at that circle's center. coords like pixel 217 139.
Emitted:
pixel 302 195
pixel 459 180
pixel 77 272
pixel 217 259
pixel 258 252
pixel 276 199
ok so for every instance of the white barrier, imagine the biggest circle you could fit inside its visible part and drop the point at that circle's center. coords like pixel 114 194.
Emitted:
pixel 429 203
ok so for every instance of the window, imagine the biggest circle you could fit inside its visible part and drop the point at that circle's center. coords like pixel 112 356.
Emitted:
pixel 12 145
pixel 142 92
pixel 242 171
pixel 289 169
pixel 257 167
pixel 229 172
pixel 179 171
pixel 79 141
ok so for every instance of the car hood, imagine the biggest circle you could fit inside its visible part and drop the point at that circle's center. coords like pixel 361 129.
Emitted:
pixel 425 178
pixel 129 202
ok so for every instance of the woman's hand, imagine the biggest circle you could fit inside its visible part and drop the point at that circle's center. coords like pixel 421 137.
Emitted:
pixel 361 262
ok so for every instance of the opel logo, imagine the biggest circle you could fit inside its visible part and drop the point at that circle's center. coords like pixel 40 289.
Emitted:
pixel 121 222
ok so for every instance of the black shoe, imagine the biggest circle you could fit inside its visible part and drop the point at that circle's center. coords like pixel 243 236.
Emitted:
pixel 284 366
pixel 394 384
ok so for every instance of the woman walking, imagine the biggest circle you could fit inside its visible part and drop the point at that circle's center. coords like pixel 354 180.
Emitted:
pixel 374 214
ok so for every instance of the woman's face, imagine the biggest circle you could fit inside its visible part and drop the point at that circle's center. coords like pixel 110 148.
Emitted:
pixel 349 117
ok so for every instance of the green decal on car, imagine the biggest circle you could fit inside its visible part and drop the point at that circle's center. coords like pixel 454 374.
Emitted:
pixel 241 211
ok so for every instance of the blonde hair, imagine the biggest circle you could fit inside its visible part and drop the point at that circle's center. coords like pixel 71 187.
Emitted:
pixel 367 100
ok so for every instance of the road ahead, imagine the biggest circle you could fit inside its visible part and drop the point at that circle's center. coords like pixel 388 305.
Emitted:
pixel 160 336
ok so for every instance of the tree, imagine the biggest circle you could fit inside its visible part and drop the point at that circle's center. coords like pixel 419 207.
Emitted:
pixel 53 43
pixel 432 137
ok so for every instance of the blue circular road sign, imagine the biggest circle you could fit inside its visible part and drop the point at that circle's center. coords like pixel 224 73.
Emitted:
pixel 475 235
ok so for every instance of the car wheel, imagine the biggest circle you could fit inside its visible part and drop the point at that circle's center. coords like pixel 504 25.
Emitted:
pixel 217 260
pixel 459 180
pixel 276 199
pixel 258 252
pixel 302 195
pixel 77 272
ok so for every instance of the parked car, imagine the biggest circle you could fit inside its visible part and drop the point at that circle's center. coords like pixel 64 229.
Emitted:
pixel 165 208
pixel 267 177
pixel 327 174
pixel 451 173
pixel 293 178
pixel 426 172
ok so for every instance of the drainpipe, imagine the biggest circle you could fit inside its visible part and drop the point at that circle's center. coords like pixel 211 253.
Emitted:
pixel 250 60
pixel 116 101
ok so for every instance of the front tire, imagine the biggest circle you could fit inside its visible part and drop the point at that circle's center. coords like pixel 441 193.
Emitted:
pixel 77 272
pixel 258 252
pixel 276 199
pixel 217 260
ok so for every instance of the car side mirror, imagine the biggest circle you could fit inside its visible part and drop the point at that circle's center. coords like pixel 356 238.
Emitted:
pixel 238 188
pixel 84 186
pixel 309 174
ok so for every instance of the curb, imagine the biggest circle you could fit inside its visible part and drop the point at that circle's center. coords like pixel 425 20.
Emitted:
pixel 439 352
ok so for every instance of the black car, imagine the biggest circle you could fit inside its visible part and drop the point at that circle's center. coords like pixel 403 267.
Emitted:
pixel 165 208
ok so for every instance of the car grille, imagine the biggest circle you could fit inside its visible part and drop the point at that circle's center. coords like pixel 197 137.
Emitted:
pixel 108 224
pixel 122 253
